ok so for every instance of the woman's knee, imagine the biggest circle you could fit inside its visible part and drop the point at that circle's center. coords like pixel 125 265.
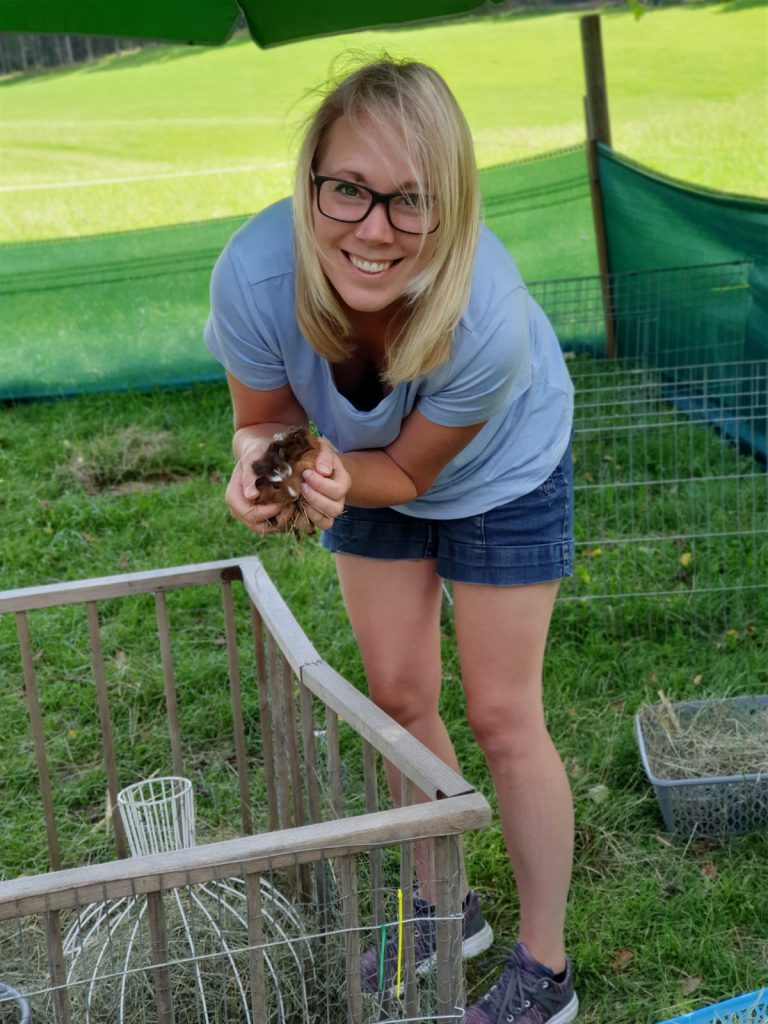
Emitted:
pixel 507 728
pixel 404 698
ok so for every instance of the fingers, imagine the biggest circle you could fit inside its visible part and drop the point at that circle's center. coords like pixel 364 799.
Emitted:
pixel 241 505
pixel 325 493
pixel 326 457
pixel 324 489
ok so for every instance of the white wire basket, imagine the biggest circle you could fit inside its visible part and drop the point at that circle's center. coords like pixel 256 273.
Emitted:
pixel 158 815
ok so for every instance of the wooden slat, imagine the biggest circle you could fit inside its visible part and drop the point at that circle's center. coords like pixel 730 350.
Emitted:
pixel 410 980
pixel 38 738
pixel 335 790
pixel 257 972
pixel 350 919
pixel 102 587
pixel 312 783
pixel 311 766
pixel 448 927
pixel 57 969
pixel 429 773
pixel 105 720
pixel 159 957
pixel 282 771
pixel 169 683
pixel 370 780
pixel 292 738
pixel 294 754
pixel 265 719
pixel 77 886
pixel 235 693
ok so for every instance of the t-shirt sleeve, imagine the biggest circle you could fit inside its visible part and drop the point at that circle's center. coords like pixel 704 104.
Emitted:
pixel 490 367
pixel 240 331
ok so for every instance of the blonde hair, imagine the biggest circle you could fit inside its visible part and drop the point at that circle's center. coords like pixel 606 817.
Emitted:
pixel 414 100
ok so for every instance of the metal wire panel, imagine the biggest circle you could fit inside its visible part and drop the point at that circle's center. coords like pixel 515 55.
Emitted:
pixel 671 492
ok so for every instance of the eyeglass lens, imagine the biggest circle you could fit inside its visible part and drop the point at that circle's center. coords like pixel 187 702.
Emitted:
pixel 344 200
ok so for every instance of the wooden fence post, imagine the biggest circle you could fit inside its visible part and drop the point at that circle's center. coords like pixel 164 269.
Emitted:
pixel 598 130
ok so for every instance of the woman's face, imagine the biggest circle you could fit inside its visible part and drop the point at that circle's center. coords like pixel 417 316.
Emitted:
pixel 369 263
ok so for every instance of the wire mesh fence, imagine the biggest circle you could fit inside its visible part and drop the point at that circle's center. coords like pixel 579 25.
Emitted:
pixel 229 942
pixel 671 523
pixel 289 920
pixel 671 490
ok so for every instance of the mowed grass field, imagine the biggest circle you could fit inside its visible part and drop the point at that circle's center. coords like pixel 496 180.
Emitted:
pixel 176 134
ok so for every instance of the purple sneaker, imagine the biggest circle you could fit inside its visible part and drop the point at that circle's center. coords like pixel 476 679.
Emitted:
pixel 527 993
pixel 477 936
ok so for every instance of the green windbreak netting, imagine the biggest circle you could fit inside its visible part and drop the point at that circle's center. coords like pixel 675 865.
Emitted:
pixel 108 311
pixel 715 318
pixel 127 310
pixel 653 222
pixel 541 210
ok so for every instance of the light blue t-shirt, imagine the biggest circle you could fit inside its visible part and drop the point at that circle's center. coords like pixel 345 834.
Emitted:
pixel 506 369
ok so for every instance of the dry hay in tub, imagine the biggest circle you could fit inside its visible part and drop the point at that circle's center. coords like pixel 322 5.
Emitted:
pixel 718 738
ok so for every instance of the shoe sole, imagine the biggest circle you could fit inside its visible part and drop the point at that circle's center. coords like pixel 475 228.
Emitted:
pixel 567 1014
pixel 473 946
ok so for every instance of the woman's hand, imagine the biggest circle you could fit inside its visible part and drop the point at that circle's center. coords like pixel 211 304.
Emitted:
pixel 242 494
pixel 325 487
pixel 323 490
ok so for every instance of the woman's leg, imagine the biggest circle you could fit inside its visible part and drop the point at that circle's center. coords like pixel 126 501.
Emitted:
pixel 501 634
pixel 394 610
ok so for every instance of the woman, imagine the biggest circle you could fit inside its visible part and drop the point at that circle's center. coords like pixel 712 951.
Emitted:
pixel 375 306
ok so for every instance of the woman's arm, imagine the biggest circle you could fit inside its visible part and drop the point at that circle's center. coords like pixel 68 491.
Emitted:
pixel 258 416
pixel 404 469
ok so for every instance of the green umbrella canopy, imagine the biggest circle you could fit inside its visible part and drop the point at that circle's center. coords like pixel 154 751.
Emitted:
pixel 209 22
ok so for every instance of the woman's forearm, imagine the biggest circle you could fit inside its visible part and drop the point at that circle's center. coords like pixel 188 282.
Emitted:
pixel 377 480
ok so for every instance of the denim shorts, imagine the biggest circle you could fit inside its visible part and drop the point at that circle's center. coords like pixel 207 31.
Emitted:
pixel 528 540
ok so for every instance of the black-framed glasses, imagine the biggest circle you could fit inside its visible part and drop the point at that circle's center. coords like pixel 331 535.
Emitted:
pixel 409 212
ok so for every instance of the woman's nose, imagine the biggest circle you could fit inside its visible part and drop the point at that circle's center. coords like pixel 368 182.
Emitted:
pixel 376 226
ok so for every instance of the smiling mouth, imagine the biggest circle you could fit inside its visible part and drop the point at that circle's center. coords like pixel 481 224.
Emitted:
pixel 370 266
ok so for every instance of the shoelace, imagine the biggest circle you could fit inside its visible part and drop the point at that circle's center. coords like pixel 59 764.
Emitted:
pixel 508 997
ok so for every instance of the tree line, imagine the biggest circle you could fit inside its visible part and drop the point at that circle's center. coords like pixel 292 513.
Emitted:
pixel 21 52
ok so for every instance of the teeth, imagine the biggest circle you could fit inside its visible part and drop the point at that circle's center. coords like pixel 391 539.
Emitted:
pixel 367 266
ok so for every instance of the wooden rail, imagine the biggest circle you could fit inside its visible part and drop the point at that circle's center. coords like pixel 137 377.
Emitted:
pixel 292 681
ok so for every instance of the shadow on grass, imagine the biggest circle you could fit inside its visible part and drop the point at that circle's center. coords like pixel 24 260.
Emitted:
pixel 161 53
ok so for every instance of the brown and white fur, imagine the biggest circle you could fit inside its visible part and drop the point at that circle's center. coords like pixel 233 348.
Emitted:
pixel 278 477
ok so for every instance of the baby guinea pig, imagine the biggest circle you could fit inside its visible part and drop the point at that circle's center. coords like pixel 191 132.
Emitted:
pixel 278 473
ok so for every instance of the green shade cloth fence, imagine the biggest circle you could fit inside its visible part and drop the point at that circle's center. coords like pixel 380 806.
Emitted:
pixel 126 310
pixel 653 222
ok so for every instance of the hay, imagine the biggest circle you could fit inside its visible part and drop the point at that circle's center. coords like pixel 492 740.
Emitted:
pixel 110 952
pixel 718 738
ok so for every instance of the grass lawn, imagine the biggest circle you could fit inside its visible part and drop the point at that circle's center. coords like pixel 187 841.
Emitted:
pixel 103 484
pixel 178 134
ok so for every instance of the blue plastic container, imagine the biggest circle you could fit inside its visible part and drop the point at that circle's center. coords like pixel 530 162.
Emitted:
pixel 751 1008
